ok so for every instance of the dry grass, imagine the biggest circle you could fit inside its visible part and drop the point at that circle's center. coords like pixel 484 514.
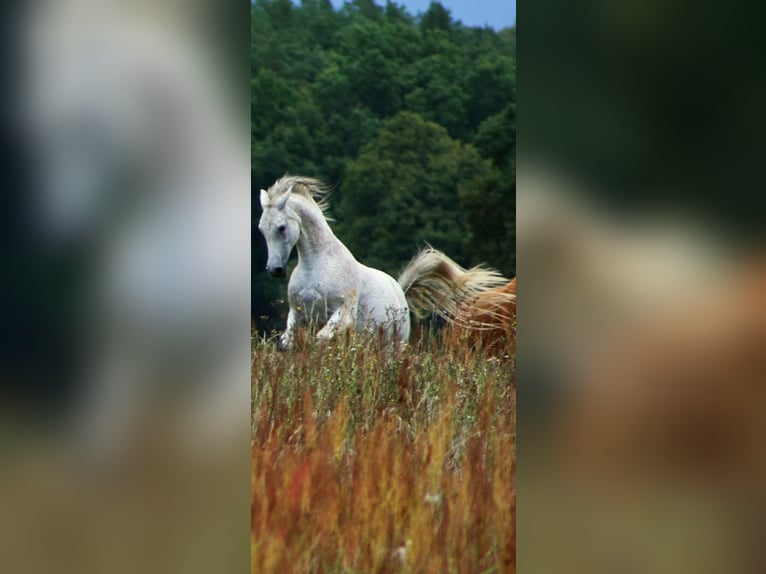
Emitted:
pixel 364 461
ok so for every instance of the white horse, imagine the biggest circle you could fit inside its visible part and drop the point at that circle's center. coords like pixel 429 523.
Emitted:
pixel 331 289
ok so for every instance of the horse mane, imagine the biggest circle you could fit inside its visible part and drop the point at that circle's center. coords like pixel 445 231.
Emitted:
pixel 307 187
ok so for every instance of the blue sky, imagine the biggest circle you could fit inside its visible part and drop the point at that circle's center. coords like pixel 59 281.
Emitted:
pixel 494 13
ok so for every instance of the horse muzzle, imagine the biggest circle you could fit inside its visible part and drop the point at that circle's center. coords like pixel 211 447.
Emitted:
pixel 276 271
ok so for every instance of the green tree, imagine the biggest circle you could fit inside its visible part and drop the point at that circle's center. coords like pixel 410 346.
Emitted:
pixel 403 191
pixel 437 17
pixel 489 200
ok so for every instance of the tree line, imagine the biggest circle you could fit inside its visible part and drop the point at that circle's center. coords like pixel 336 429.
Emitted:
pixel 412 120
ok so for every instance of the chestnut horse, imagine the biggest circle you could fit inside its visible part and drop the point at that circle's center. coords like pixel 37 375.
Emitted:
pixel 487 321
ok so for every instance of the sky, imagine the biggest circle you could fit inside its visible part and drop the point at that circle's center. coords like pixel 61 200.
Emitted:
pixel 493 13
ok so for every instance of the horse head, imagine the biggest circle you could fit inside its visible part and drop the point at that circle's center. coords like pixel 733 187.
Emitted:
pixel 280 226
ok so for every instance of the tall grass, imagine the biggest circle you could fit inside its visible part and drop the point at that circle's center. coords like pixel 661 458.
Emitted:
pixel 368 460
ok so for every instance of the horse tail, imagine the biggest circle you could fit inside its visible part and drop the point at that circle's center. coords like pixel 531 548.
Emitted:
pixel 434 283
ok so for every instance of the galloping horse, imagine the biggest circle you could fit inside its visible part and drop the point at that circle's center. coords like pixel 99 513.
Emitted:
pixel 488 320
pixel 329 287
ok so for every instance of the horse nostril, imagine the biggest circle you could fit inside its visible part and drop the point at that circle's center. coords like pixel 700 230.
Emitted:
pixel 278 271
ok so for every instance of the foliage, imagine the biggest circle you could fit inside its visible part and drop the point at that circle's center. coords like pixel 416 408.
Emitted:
pixel 400 114
pixel 404 184
pixel 368 461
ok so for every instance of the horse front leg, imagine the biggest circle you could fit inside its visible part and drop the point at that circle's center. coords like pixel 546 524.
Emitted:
pixel 286 340
pixel 342 319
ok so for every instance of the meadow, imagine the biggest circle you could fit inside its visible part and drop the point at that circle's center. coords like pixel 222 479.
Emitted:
pixel 371 460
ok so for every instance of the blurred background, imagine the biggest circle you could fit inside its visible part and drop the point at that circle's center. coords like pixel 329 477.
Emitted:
pixel 124 332
pixel 642 306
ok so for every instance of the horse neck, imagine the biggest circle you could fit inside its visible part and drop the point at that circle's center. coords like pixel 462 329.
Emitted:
pixel 316 239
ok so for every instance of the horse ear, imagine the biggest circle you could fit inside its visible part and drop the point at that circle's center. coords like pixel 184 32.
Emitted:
pixel 282 201
pixel 264 198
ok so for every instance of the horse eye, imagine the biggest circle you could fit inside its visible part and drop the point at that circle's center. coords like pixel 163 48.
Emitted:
pixel 281 228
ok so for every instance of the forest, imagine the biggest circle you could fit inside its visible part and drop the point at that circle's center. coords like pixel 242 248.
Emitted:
pixel 411 119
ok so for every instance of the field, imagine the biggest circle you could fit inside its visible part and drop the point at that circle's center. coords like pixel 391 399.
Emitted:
pixel 366 460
